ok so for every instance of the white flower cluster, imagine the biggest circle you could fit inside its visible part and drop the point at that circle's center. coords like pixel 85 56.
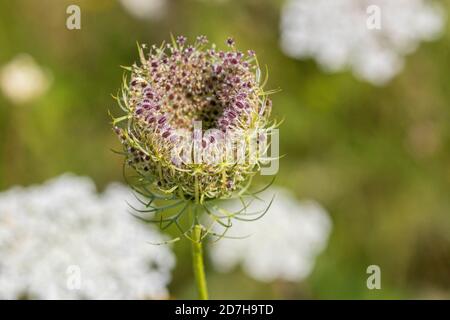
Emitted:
pixel 369 36
pixel 283 244
pixel 63 240
pixel 145 9
pixel 23 80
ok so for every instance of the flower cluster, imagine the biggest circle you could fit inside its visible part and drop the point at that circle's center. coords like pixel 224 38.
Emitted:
pixel 183 104
pixel 337 34
pixel 145 9
pixel 22 80
pixel 63 240
pixel 283 245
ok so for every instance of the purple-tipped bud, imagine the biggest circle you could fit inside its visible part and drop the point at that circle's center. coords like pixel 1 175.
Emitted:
pixel 202 39
pixel 230 42
pixel 239 104
pixel 181 40
pixel 231 114
pixel 162 120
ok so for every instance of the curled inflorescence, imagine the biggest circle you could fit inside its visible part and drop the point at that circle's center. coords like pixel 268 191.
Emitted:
pixel 196 122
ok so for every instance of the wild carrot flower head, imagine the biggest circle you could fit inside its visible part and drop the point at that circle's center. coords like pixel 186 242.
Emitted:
pixel 194 119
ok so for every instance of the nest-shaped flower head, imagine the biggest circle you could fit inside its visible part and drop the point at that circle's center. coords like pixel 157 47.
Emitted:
pixel 195 120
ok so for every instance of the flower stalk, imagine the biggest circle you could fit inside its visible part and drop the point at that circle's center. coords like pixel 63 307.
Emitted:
pixel 193 135
pixel 198 265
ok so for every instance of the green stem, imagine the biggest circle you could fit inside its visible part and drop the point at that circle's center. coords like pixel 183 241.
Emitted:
pixel 199 269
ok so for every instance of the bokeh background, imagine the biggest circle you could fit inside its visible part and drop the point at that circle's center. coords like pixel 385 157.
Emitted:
pixel 376 157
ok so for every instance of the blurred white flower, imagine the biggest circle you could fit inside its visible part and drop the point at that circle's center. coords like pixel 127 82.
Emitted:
pixel 335 33
pixel 283 244
pixel 63 240
pixel 145 9
pixel 22 80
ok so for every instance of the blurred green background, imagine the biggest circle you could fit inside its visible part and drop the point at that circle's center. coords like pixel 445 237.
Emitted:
pixel 378 159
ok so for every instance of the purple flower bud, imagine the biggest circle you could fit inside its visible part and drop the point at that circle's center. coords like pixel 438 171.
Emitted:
pixel 202 39
pixel 230 42
pixel 239 104
pixel 181 40
pixel 162 120
pixel 231 114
